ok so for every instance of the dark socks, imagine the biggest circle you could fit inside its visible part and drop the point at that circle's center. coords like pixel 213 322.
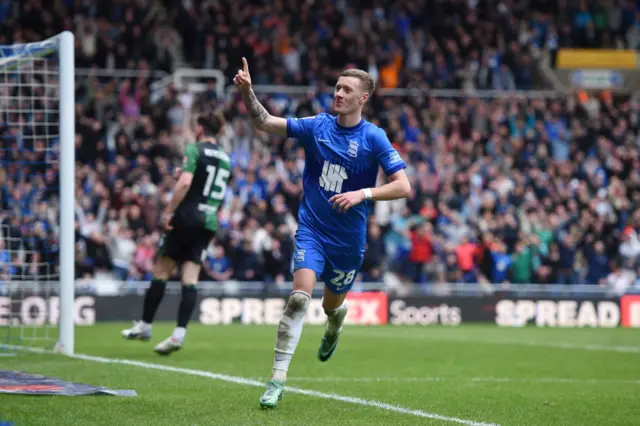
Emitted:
pixel 152 299
pixel 187 304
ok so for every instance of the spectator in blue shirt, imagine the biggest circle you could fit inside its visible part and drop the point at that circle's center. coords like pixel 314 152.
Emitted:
pixel 501 263
pixel 218 267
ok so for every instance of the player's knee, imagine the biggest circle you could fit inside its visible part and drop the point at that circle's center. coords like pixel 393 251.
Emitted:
pixel 304 280
pixel 328 310
pixel 160 276
pixel 298 302
pixel 162 269
pixel 190 273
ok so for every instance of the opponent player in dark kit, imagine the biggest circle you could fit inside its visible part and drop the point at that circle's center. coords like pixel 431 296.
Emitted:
pixel 190 221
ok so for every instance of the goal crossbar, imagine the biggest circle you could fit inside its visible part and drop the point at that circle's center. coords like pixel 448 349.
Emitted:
pixel 23 53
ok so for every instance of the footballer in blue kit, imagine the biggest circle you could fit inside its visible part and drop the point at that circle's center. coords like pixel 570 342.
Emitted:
pixel 338 159
pixel 343 154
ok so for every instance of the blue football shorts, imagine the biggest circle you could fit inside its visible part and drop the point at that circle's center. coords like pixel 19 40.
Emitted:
pixel 335 266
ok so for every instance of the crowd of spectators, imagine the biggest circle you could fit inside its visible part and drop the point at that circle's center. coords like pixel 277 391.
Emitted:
pixel 505 190
pixel 521 191
pixel 607 24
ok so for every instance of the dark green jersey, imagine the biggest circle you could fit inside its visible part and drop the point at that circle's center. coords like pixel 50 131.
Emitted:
pixel 211 170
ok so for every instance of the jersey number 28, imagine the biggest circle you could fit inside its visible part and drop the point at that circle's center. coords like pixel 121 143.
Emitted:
pixel 343 278
pixel 216 183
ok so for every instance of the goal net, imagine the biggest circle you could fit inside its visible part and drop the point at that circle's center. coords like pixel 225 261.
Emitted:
pixel 37 180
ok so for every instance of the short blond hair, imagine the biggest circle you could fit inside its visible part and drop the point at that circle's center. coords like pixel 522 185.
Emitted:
pixel 367 82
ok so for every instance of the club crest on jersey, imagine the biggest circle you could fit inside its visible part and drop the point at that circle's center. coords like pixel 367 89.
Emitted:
pixel 352 150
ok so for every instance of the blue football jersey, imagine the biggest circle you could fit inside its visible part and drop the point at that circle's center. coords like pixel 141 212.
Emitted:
pixel 338 160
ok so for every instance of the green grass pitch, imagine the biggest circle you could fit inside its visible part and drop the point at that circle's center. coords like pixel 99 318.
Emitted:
pixel 471 373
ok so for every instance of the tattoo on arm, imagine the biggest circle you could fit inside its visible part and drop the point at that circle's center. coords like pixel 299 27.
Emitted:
pixel 259 113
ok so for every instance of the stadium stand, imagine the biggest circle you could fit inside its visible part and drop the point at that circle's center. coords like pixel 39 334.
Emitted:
pixel 506 190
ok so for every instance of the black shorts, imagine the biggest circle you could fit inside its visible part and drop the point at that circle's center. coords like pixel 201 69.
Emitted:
pixel 183 244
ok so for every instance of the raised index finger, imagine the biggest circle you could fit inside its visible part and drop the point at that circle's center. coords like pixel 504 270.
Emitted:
pixel 245 65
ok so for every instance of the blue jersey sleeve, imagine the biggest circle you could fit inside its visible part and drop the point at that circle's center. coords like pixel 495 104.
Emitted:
pixel 388 157
pixel 300 128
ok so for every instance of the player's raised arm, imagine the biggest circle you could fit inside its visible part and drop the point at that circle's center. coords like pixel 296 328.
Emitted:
pixel 260 117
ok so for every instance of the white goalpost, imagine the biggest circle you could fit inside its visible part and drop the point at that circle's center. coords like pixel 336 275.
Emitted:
pixel 37 194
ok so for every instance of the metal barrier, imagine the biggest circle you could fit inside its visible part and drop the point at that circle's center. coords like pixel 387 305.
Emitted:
pixel 403 92
pixel 231 288
pixel 112 287
pixel 194 80
pixel 119 73
pixel 182 78
pixel 161 79
pixel 187 79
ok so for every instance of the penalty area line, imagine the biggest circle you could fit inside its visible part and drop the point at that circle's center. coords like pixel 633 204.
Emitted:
pixel 256 383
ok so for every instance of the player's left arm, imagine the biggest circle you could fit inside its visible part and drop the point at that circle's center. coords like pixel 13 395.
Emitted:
pixel 183 184
pixel 398 187
pixel 393 166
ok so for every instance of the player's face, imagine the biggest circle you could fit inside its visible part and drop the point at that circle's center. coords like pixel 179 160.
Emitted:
pixel 348 96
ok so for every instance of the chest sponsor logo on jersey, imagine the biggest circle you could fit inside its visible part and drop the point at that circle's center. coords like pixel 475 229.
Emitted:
pixel 332 177
pixel 352 150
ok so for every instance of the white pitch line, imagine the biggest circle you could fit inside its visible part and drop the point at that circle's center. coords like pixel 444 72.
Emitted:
pixel 453 379
pixel 556 345
pixel 256 383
